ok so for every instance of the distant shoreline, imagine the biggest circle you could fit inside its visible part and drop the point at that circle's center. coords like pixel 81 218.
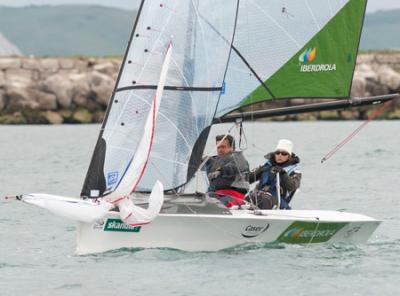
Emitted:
pixel 58 90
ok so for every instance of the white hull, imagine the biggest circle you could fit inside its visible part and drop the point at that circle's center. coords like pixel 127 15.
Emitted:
pixel 200 232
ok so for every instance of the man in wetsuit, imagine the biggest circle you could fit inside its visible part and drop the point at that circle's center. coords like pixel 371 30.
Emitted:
pixel 227 172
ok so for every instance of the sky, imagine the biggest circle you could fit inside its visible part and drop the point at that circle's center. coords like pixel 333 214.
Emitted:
pixel 373 5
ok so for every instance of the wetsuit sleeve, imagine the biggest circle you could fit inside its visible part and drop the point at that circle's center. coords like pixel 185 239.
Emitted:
pixel 255 174
pixel 229 170
pixel 292 182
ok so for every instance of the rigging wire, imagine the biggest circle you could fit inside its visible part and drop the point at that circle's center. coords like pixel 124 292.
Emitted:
pixel 241 135
pixel 355 132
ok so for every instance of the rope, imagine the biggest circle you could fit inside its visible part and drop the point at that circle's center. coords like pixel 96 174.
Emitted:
pixel 355 132
pixel 315 231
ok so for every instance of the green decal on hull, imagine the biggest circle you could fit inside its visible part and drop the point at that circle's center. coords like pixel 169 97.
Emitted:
pixel 119 225
pixel 309 232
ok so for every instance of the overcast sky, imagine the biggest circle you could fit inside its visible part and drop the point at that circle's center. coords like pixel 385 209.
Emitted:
pixel 373 5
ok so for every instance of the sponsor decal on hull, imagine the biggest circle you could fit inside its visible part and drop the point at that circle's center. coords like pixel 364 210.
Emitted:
pixel 309 232
pixel 251 231
pixel 98 225
pixel 119 226
pixel 352 231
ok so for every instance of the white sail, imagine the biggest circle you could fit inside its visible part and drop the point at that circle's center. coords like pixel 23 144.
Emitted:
pixel 138 164
pixel 191 94
pixel 131 214
pixel 135 215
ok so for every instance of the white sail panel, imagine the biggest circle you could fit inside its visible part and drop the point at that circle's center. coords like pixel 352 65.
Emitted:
pixel 136 166
pixel 192 90
pixel 196 47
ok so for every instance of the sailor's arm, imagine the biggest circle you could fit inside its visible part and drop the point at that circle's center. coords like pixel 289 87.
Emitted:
pixel 290 182
pixel 255 174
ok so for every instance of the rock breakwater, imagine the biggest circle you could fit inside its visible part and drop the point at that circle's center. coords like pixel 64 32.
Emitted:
pixel 55 90
pixel 76 90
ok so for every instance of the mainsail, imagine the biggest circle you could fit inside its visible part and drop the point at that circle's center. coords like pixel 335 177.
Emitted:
pixel 188 105
pixel 227 55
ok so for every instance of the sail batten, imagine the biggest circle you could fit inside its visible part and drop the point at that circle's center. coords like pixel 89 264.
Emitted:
pixel 169 87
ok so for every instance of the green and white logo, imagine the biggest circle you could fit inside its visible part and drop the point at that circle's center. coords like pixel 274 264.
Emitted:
pixel 318 68
pixel 119 225
pixel 310 232
pixel 308 56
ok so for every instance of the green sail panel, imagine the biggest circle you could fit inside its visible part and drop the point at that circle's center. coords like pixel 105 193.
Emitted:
pixel 324 67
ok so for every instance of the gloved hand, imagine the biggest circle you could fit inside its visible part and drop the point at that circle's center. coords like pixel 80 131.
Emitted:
pixel 276 170
pixel 214 175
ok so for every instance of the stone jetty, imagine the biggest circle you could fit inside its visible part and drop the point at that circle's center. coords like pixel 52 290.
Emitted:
pixel 76 90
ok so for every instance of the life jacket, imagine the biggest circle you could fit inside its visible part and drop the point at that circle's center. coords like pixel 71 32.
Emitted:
pixel 265 181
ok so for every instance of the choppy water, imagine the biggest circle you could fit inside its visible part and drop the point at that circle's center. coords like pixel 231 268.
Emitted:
pixel 37 249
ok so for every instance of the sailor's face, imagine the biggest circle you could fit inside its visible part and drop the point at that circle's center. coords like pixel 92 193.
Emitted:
pixel 281 157
pixel 223 147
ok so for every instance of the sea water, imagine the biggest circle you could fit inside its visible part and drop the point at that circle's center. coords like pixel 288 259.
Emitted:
pixel 37 249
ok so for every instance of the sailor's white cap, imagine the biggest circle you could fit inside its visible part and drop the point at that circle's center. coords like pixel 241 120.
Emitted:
pixel 284 145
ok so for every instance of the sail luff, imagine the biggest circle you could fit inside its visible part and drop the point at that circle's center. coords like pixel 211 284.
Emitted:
pixel 358 46
pixel 97 161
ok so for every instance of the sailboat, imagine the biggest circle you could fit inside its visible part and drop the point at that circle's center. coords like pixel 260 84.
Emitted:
pixel 190 65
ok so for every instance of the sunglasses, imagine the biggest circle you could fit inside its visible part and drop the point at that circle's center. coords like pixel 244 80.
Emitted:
pixel 284 153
